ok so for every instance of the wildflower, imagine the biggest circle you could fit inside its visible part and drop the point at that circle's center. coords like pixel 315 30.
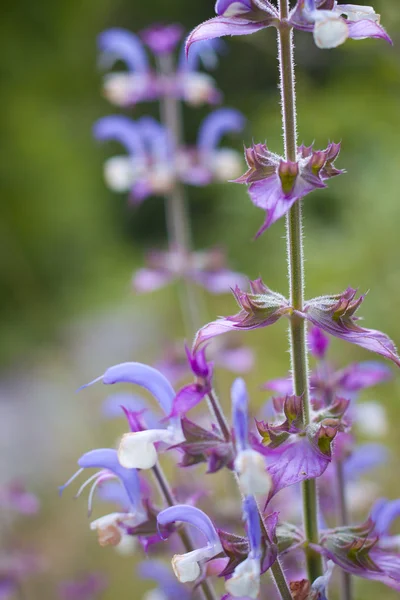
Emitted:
pixel 148 167
pixel 249 464
pixel 111 528
pixel 275 184
pixel 303 590
pixel 15 497
pixel 358 549
pixel 205 163
pixel 137 448
pixel 259 308
pixel 331 23
pixel 140 82
pixel 187 567
pixel 336 315
pixel 245 580
pixel 207 268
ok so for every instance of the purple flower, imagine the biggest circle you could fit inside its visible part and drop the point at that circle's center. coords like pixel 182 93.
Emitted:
pixel 15 497
pixel 336 315
pixel 148 168
pixel 318 343
pixel 111 528
pixel 138 84
pixel 296 452
pixel 358 551
pixel 275 184
pixel 88 587
pixel 245 580
pixel 331 23
pixel 259 308
pixel 235 17
pixel 206 162
pixel 249 464
pixel 162 39
pixel 207 269
pixel 168 587
pixel 187 567
pixel 137 448
pixel 191 395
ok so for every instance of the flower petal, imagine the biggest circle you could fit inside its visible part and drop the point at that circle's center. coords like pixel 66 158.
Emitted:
pixel 120 44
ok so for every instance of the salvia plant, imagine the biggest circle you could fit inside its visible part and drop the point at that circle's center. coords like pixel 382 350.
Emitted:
pixel 303 437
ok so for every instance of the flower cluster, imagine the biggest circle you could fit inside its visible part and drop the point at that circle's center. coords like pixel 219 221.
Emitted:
pixel 305 431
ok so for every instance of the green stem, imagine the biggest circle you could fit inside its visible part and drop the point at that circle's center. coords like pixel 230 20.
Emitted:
pixel 206 587
pixel 298 341
pixel 176 209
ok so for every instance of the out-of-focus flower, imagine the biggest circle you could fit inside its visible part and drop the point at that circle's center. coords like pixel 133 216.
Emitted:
pixel 206 162
pixel 148 168
pixel 331 23
pixel 167 586
pixel 137 449
pixel 207 268
pixel 140 83
pixel 162 39
pixel 187 567
pixel 88 587
pixel 15 497
pixel 275 184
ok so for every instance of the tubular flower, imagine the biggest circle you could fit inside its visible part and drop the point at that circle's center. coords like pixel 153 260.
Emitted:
pixel 249 464
pixel 275 184
pixel 333 23
pixel 148 168
pixel 187 567
pixel 205 163
pixel 207 268
pixel 245 580
pixel 259 308
pixel 139 82
pixel 330 22
pixel 137 449
pixel 110 528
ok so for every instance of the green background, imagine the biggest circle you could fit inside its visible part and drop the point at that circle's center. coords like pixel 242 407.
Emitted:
pixel 69 246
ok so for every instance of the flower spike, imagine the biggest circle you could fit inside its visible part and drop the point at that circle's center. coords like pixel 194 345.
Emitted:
pixel 137 449
pixel 187 567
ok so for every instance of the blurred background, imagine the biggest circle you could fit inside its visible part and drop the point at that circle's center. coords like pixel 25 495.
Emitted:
pixel 69 245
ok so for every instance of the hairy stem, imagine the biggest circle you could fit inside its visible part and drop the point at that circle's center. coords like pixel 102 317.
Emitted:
pixel 176 209
pixel 298 341
pixel 206 588
pixel 343 519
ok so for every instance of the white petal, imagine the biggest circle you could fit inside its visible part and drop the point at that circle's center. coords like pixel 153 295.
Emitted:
pixel 155 594
pixel 197 88
pixel 127 546
pixel 330 32
pixel 137 450
pixel 245 580
pixel 119 173
pixel 123 88
pixel 354 12
pixel 187 566
pixel 252 474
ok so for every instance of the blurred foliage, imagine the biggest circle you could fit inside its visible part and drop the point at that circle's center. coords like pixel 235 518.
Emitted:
pixel 69 245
